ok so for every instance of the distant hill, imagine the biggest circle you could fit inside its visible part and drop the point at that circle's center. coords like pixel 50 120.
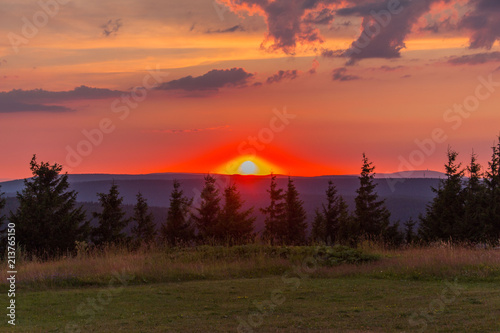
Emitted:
pixel 405 197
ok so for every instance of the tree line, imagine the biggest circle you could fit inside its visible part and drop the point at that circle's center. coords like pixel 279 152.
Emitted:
pixel 466 207
pixel 49 221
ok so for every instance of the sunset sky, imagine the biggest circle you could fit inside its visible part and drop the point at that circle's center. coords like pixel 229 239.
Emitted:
pixel 300 87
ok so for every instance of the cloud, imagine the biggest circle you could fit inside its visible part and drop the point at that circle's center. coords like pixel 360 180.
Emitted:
pixel 327 53
pixel 194 130
pixel 340 74
pixel 213 80
pixel 111 28
pixel 283 75
pixel 484 23
pixel 389 68
pixel 223 31
pixel 290 22
pixel 39 100
pixel 475 59
pixel 384 33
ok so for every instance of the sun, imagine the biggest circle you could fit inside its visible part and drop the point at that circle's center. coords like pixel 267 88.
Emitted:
pixel 248 168
pixel 248 165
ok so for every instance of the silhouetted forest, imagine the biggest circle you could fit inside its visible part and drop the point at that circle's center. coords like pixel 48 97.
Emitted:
pixel 49 221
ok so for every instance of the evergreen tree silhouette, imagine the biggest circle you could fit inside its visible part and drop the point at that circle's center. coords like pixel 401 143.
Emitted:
pixel 275 229
pixel 145 229
pixel 48 223
pixel 208 212
pixel 371 214
pixel 474 220
pixel 444 213
pixel 178 228
pixel 235 224
pixel 111 220
pixel 492 181
pixel 295 216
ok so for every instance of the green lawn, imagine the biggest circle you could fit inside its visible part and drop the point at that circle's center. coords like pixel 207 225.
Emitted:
pixel 302 304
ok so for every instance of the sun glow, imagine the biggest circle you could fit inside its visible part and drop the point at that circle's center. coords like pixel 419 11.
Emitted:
pixel 248 165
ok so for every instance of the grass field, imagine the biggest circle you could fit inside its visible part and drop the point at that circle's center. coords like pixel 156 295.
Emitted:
pixel 261 289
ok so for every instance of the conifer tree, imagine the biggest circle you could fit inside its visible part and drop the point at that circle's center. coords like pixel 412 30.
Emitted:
pixel 473 222
pixel 334 216
pixel 335 213
pixel 492 181
pixel 208 212
pixel 295 216
pixel 274 214
pixel 235 224
pixel 111 220
pixel 444 213
pixel 145 229
pixel 371 215
pixel 47 221
pixel 178 228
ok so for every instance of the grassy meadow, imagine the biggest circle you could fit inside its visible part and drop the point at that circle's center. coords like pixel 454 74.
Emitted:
pixel 259 288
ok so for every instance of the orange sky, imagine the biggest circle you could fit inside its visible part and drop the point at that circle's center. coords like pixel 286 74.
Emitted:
pixel 235 85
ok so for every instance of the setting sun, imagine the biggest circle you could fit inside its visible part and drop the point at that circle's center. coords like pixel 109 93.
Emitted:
pixel 248 165
pixel 248 168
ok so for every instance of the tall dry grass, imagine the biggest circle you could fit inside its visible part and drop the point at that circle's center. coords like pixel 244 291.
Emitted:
pixel 149 265
pixel 439 261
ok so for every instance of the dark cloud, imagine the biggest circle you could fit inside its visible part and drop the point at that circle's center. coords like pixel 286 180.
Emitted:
pixel 446 25
pixel 484 23
pixel 213 80
pixel 283 75
pixel 222 31
pixel 325 16
pixel 384 31
pixel 327 53
pixel 290 22
pixel 475 59
pixel 389 68
pixel 111 28
pixel 39 100
pixel 340 74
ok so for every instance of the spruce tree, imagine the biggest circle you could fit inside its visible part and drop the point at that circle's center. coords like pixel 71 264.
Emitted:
pixel 335 214
pixel 111 220
pixel 235 224
pixel 178 228
pixel 295 216
pixel 208 212
pixel 444 213
pixel 332 219
pixel 275 229
pixel 145 229
pixel 492 181
pixel 473 222
pixel 371 215
pixel 48 223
